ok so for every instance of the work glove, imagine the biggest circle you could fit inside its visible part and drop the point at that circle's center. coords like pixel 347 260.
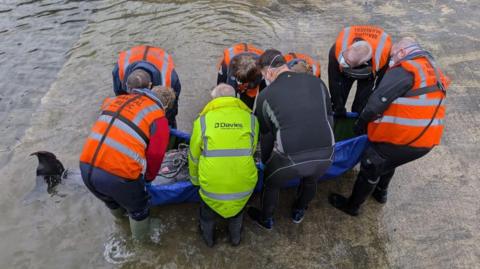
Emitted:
pixel 360 127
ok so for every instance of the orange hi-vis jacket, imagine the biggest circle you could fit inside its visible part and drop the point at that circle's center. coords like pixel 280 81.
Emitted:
pixel 156 56
pixel 380 41
pixel 240 48
pixel 119 138
pixel 237 49
pixel 415 119
pixel 304 57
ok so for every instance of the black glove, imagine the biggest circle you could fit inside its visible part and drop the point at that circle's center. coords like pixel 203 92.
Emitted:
pixel 340 113
pixel 360 127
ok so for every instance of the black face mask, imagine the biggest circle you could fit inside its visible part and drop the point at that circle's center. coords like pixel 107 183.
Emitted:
pixel 360 72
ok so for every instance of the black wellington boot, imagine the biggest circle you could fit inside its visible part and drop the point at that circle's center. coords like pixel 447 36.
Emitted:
pixel 380 195
pixel 361 190
pixel 381 191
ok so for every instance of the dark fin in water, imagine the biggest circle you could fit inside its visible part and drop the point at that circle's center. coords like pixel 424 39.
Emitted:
pixel 50 168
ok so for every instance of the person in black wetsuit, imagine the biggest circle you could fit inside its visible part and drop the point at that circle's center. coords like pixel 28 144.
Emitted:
pixel 297 140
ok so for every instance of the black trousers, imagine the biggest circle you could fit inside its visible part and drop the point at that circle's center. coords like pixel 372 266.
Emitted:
pixel 280 168
pixel 208 220
pixel 377 168
pixel 117 192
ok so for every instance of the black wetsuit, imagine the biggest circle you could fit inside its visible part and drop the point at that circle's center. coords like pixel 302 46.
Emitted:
pixel 340 85
pixel 297 140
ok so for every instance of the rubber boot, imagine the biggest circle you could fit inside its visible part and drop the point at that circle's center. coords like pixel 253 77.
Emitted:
pixel 235 229
pixel 140 229
pixel 208 232
pixel 380 195
pixel 381 191
pixel 207 224
pixel 361 190
pixel 118 213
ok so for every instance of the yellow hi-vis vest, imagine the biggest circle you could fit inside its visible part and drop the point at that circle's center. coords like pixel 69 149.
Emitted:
pixel 222 145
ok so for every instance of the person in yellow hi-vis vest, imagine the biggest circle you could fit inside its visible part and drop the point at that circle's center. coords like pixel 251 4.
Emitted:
pixel 221 162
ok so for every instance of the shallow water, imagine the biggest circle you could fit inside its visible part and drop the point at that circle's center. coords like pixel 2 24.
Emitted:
pixel 56 58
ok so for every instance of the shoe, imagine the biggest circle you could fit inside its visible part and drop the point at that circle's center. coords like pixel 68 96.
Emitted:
pixel 298 215
pixel 256 215
pixel 118 213
pixel 140 229
pixel 380 195
pixel 342 203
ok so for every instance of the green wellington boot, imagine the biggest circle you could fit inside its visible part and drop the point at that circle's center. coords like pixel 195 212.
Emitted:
pixel 140 229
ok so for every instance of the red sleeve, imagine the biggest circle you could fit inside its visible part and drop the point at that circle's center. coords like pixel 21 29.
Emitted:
pixel 159 138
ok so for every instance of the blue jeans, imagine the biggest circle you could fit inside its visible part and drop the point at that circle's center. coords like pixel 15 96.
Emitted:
pixel 118 192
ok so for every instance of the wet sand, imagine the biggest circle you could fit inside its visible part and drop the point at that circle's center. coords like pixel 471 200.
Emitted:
pixel 430 221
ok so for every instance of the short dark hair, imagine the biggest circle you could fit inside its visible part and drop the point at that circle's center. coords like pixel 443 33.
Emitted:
pixel 139 79
pixel 271 57
pixel 244 68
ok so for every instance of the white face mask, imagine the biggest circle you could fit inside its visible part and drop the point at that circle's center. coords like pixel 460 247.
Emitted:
pixel 342 62
pixel 267 82
pixel 391 63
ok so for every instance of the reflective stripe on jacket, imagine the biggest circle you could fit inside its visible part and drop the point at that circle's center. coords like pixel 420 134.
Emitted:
pixel 380 41
pixel 122 151
pixel 237 49
pixel 221 160
pixel 304 57
pixel 415 119
pixel 156 56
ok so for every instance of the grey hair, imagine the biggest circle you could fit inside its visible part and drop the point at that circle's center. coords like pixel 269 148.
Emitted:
pixel 222 90
pixel 406 42
pixel 359 53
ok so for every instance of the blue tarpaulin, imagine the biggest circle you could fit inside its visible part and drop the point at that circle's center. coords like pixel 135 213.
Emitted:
pixel 347 155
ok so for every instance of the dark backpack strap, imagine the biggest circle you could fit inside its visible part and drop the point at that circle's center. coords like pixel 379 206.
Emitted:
pixel 421 91
pixel 145 53
pixel 130 124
